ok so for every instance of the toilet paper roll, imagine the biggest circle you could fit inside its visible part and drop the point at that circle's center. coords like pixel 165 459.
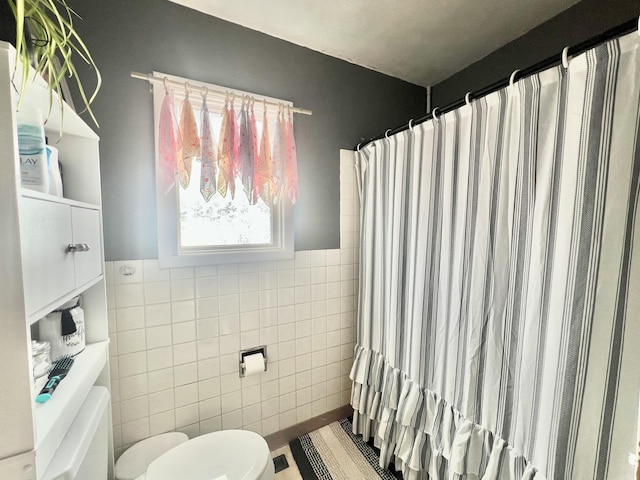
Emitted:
pixel 254 364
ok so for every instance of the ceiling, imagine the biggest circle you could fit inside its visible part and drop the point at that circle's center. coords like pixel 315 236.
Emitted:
pixel 421 41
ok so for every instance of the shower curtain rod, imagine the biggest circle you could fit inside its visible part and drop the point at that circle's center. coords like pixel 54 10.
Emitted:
pixel 151 78
pixel 552 61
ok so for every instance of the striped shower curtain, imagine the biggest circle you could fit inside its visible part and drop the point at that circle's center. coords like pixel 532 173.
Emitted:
pixel 499 303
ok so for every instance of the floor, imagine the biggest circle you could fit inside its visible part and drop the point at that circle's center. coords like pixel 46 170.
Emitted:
pixel 283 437
pixel 291 473
pixel 279 441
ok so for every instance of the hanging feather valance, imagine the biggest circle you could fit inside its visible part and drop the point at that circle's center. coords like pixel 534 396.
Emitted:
pixel 265 167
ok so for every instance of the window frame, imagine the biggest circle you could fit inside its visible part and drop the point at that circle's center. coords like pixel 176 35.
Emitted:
pixel 168 212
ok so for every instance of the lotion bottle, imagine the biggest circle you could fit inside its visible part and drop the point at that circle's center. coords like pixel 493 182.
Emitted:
pixel 34 168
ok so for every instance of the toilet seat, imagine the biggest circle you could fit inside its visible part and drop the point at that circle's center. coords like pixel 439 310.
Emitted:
pixel 224 455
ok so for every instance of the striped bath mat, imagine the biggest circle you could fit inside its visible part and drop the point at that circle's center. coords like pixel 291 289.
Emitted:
pixel 335 453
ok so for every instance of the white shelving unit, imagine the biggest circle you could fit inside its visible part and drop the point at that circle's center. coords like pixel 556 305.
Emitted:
pixel 38 274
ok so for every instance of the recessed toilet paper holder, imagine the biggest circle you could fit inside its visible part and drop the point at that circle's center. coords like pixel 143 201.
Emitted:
pixel 250 351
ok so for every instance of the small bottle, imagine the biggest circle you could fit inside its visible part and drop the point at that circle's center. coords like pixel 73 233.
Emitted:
pixel 34 168
pixel 55 179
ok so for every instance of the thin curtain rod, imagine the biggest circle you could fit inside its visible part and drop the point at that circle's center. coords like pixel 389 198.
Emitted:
pixel 552 61
pixel 149 77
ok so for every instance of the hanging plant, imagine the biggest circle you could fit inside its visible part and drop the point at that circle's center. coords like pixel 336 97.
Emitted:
pixel 52 45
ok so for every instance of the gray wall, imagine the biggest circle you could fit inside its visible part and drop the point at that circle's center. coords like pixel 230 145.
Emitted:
pixel 348 102
pixel 576 24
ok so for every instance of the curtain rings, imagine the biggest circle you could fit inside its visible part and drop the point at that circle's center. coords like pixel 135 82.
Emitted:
pixel 565 57
pixel 205 93
pixel 187 90
pixel 467 98
pixel 512 78
pixel 358 147
pixel 411 126
pixel 434 112
pixel 386 134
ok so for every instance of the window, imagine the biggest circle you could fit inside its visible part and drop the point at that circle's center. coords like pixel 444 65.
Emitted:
pixel 194 231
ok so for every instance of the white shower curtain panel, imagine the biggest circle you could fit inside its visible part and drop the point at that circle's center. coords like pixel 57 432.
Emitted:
pixel 498 321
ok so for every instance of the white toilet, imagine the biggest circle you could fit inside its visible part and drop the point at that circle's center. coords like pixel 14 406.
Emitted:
pixel 224 455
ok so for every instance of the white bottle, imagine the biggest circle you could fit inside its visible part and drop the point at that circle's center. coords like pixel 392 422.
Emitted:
pixel 34 168
pixel 55 179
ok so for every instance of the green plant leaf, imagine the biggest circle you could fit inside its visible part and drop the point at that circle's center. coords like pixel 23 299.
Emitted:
pixel 51 22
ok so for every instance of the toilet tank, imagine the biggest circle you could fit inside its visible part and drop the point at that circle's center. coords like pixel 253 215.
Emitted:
pixel 83 453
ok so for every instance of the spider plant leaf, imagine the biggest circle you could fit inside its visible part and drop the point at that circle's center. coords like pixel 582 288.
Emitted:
pixel 18 10
pixel 84 96
pixel 22 54
pixel 51 22
pixel 89 60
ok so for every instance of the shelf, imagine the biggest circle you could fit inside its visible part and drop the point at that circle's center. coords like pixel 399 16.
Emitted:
pixel 53 418
pixel 78 443
pixel 38 314
pixel 40 276
pixel 28 193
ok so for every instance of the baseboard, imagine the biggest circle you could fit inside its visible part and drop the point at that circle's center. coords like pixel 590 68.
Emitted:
pixel 283 437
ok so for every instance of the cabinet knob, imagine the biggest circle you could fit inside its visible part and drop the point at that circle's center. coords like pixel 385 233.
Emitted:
pixel 78 247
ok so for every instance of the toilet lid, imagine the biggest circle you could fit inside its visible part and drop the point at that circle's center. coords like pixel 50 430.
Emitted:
pixel 225 455
pixel 135 460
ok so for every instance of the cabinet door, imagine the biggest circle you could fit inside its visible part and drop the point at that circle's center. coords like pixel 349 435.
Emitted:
pixel 86 231
pixel 45 228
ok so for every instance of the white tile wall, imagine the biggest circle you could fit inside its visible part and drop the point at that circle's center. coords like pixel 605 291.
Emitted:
pixel 175 336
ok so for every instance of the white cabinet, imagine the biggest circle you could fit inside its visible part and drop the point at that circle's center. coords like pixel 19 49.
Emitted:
pixel 60 250
pixel 47 266
pixel 86 240
pixel 52 251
